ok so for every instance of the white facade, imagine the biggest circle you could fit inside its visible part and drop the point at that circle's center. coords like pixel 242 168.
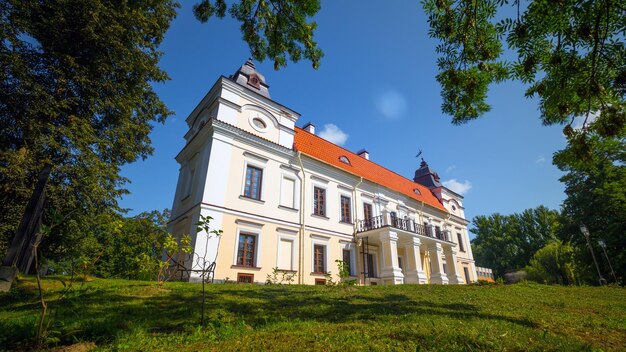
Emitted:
pixel 281 205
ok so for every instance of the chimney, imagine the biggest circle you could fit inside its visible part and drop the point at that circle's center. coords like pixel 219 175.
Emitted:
pixel 309 127
pixel 364 154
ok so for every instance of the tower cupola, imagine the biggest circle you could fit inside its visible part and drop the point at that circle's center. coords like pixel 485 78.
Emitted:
pixel 249 77
pixel 427 176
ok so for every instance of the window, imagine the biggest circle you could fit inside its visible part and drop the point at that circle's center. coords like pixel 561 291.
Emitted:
pixel 254 178
pixel 189 181
pixel 245 278
pixel 429 229
pixel 246 249
pixel 344 159
pixel 287 192
pixel 461 245
pixel 319 201
pixel 319 263
pixel 346 260
pixel 345 210
pixel 467 277
pixel 285 252
pixel 259 123
pixel 400 263
pixel 370 266
pixel 445 268
pixel 321 282
pixel 367 215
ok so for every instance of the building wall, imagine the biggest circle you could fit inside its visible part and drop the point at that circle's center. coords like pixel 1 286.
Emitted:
pixel 224 139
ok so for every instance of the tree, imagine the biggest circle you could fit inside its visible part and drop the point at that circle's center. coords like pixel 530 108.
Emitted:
pixel 507 242
pixel 553 264
pixel 596 196
pixel 571 54
pixel 76 96
pixel 123 240
pixel 272 28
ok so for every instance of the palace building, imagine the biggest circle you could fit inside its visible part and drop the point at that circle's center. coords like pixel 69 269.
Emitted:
pixel 286 198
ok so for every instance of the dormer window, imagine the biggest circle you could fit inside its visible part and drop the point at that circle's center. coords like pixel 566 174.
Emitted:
pixel 254 81
pixel 344 159
pixel 417 191
pixel 453 207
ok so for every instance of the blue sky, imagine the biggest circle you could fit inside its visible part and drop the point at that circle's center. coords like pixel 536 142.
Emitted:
pixel 377 86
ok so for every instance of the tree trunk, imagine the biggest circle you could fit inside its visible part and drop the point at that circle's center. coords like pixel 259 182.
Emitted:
pixel 20 253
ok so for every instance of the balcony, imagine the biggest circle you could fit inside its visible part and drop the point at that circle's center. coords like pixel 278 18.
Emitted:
pixel 407 225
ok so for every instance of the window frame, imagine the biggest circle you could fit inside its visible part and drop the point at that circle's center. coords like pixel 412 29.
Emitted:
pixel 295 198
pixel 294 244
pixel 240 276
pixel 365 213
pixel 467 274
pixel 254 250
pixel 366 266
pixel 348 203
pixel 258 243
pixel 316 201
pixel 249 166
pixel 189 176
pixel 324 258
pixel 459 237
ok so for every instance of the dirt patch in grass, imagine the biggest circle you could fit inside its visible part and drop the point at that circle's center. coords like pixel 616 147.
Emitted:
pixel 77 347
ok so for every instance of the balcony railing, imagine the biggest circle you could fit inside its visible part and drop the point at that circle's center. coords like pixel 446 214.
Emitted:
pixel 408 225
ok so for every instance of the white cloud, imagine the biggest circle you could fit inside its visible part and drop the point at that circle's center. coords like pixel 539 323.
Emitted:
pixel 540 159
pixel 333 134
pixel 450 168
pixel 391 104
pixel 458 187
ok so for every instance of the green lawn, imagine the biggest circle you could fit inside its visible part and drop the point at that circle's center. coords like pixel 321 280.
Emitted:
pixel 136 315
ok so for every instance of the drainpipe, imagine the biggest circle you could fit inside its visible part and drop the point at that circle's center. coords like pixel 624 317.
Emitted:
pixel 355 205
pixel 301 246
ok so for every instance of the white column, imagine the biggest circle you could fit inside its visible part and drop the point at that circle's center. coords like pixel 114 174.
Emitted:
pixel 453 272
pixel 436 264
pixel 415 273
pixel 391 273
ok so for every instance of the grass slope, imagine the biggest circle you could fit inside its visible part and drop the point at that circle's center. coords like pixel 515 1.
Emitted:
pixel 135 315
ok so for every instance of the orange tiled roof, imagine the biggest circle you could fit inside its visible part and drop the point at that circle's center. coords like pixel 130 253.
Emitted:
pixel 330 153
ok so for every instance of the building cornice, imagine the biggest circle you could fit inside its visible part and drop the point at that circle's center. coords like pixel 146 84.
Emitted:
pixel 235 132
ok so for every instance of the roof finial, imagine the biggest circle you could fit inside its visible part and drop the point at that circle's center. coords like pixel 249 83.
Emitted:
pixel 420 153
pixel 250 63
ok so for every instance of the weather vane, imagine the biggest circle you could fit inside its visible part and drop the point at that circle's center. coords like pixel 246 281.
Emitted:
pixel 418 154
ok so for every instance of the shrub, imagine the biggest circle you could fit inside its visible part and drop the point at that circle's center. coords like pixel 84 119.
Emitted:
pixel 553 264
